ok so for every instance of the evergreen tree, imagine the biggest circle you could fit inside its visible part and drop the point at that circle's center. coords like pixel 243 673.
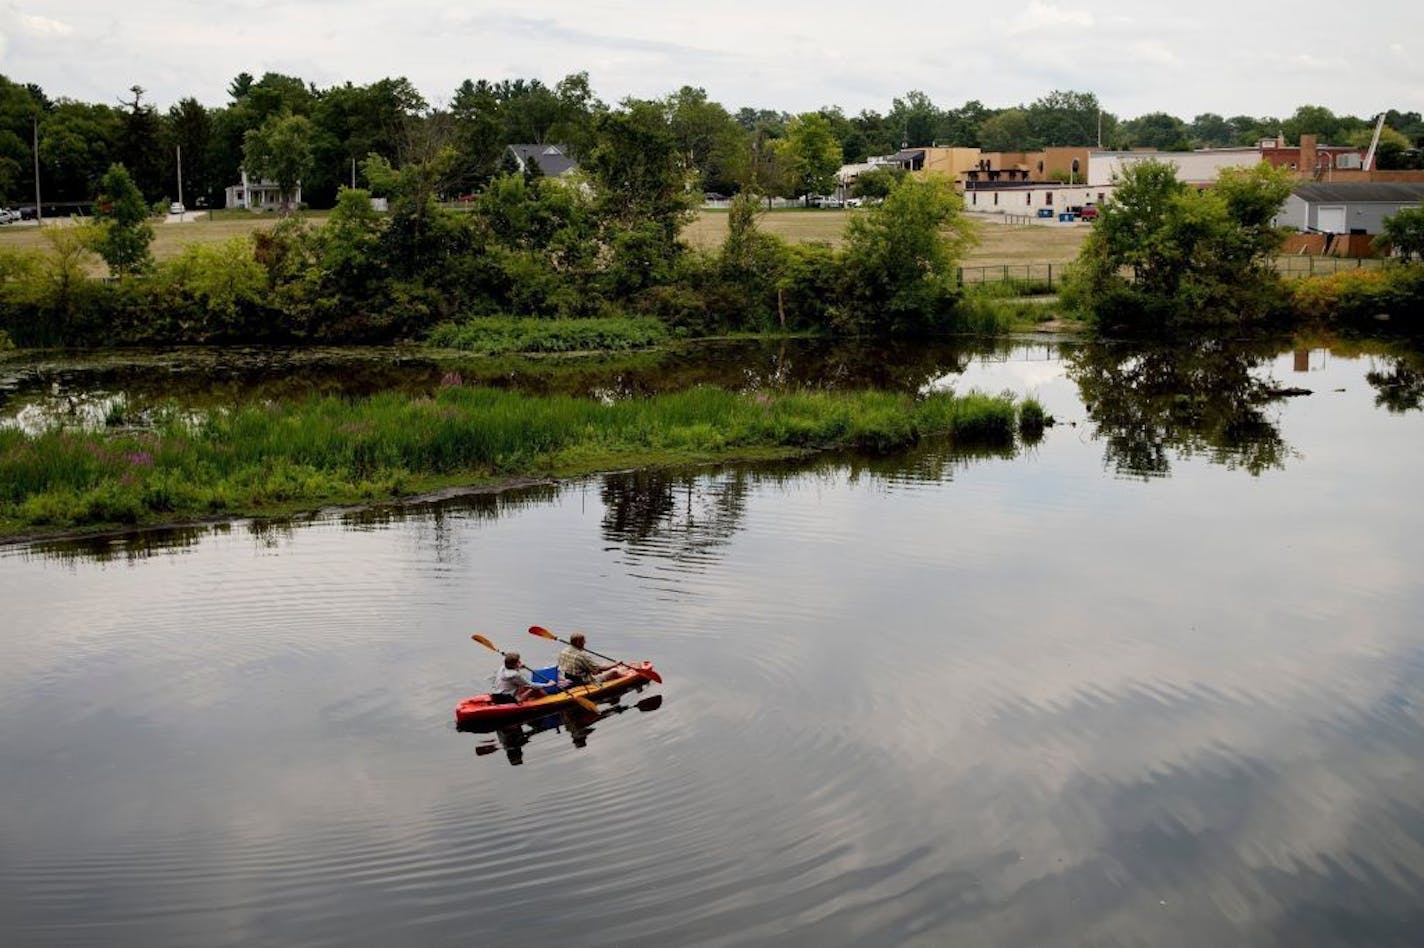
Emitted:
pixel 124 234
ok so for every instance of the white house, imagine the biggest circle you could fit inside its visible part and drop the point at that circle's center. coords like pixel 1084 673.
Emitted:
pixel 259 195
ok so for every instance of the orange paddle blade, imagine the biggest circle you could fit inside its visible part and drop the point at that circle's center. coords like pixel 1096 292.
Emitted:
pixel 542 632
pixel 485 642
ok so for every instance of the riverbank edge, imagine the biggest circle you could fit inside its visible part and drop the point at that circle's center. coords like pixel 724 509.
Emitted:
pixel 428 490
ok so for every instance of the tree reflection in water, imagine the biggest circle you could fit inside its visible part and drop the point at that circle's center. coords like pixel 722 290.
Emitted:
pixel 1400 388
pixel 1195 398
pixel 686 514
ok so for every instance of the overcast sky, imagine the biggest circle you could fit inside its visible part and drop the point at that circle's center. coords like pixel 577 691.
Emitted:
pixel 1211 56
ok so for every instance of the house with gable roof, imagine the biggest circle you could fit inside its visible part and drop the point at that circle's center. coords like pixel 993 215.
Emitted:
pixel 553 161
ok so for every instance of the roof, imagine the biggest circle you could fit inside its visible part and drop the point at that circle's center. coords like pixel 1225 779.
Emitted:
pixel 553 160
pixel 1365 192
pixel 908 154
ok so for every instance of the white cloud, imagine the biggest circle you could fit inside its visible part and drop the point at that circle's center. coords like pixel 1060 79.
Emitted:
pixel 1045 16
pixel 793 56
pixel 1152 51
pixel 43 26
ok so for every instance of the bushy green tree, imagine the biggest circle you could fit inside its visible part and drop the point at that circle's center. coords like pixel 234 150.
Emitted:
pixel 1404 233
pixel 280 151
pixel 124 233
pixel 877 183
pixel 900 259
pixel 811 154
pixel 1162 253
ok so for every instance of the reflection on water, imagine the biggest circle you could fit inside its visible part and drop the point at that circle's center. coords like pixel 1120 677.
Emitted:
pixel 1400 385
pixel 575 723
pixel 126 386
pixel 934 698
pixel 1203 397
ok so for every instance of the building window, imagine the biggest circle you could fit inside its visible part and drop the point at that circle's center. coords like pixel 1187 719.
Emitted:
pixel 1028 198
pixel 996 198
pixel 1048 197
pixel 974 198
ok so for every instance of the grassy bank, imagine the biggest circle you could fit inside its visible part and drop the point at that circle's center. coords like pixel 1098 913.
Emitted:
pixel 503 335
pixel 280 458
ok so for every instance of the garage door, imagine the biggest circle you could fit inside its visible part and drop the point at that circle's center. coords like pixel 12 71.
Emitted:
pixel 1330 219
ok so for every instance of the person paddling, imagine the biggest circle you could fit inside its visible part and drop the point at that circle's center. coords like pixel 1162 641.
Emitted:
pixel 580 667
pixel 510 682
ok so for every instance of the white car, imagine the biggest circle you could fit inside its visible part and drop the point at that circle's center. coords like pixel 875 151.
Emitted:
pixel 176 208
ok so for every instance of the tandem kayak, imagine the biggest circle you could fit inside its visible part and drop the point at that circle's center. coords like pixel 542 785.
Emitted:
pixel 482 708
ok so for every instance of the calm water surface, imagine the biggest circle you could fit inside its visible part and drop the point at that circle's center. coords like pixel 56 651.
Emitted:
pixel 1157 680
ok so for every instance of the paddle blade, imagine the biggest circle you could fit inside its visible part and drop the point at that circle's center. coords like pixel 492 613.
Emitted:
pixel 483 749
pixel 542 632
pixel 649 672
pixel 485 642
pixel 583 702
pixel 650 703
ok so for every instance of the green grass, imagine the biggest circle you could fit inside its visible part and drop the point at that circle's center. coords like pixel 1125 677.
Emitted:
pixel 271 459
pixel 491 335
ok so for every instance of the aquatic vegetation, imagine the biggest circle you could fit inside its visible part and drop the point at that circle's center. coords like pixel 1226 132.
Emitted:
pixel 275 458
pixel 491 335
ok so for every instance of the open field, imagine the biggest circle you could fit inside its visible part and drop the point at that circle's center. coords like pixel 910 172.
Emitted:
pixel 169 239
pixel 998 243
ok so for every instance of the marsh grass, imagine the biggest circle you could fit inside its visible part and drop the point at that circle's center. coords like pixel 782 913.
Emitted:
pixel 501 335
pixel 268 458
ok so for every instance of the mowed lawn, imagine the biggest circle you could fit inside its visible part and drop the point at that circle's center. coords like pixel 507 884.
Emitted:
pixel 997 243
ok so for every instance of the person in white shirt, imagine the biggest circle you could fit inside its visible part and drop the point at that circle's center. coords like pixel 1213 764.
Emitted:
pixel 510 681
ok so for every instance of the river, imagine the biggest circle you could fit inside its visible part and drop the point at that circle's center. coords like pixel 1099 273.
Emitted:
pixel 1155 680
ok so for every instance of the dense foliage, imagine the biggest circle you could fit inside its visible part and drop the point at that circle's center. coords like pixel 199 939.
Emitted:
pixel 602 243
pixel 1162 253
pixel 281 123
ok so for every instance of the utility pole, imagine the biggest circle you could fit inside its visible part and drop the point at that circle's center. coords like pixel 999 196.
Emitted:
pixel 353 174
pixel 179 150
pixel 39 211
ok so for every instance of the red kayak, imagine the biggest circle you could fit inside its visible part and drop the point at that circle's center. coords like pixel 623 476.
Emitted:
pixel 482 708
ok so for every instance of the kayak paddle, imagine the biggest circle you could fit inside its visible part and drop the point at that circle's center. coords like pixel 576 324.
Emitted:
pixel 544 633
pixel 582 702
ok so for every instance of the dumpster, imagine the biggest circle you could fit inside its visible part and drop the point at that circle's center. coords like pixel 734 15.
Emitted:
pixel 1045 212
pixel 1067 218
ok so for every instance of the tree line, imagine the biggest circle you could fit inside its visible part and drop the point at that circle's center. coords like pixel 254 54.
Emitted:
pixel 281 123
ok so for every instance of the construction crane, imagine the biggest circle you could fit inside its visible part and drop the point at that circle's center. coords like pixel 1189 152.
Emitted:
pixel 1369 164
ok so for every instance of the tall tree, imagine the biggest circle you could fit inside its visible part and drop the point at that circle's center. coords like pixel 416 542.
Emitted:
pixel 122 216
pixel 708 136
pixel 77 145
pixel 280 151
pixel 1209 130
pixel 188 129
pixel 139 148
pixel 915 119
pixel 20 107
pixel 812 155
pixel 1156 130
pixel 1006 131
pixel 1064 118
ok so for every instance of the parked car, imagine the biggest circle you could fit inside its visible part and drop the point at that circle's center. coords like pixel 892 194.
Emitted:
pixel 853 202
pixel 1088 212
pixel 8 216
pixel 176 208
